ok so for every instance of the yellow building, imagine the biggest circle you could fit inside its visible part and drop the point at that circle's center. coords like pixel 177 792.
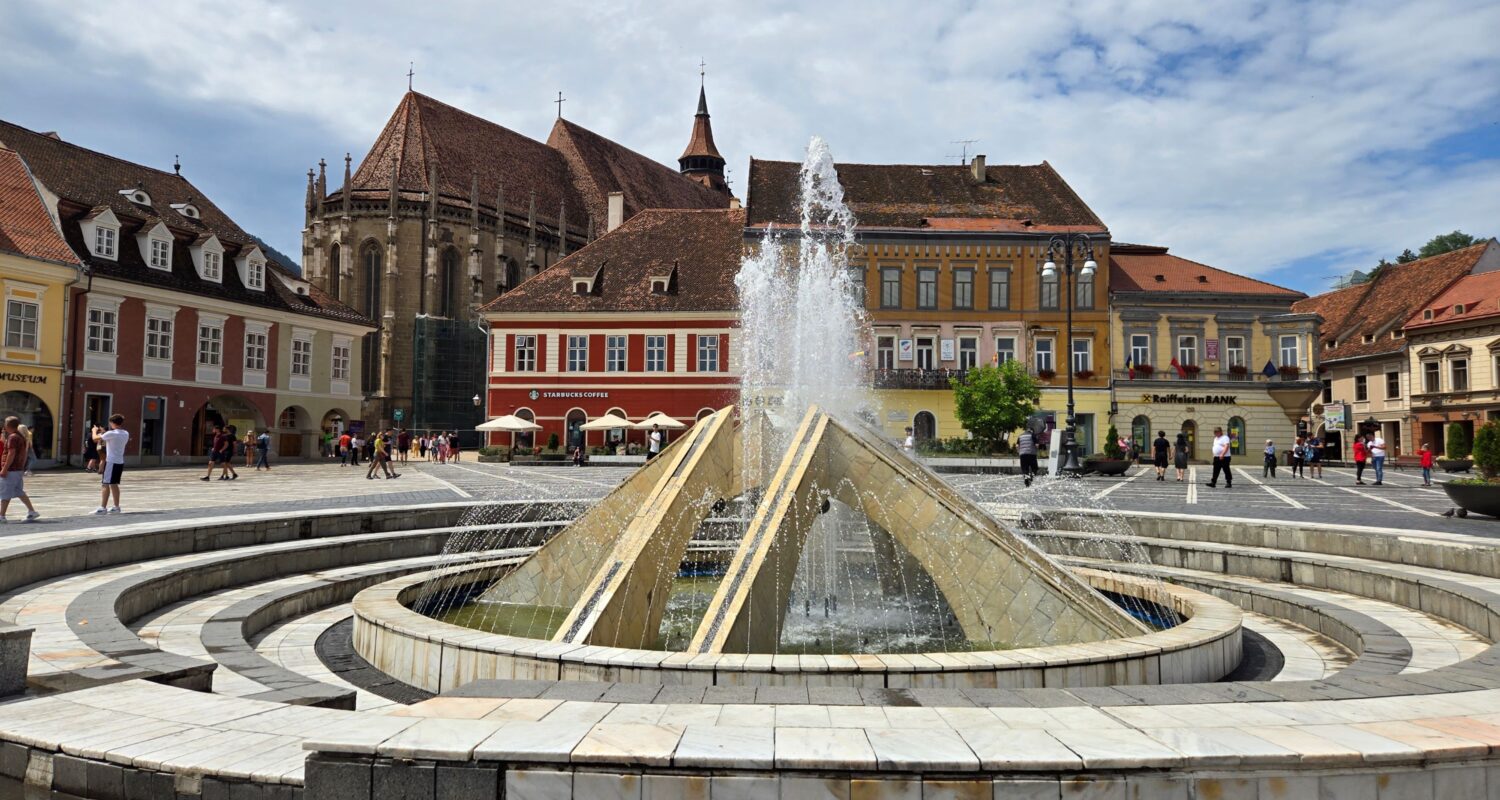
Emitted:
pixel 36 270
pixel 949 268
pixel 1201 348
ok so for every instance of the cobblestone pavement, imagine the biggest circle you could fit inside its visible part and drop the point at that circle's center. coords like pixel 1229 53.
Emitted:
pixel 67 498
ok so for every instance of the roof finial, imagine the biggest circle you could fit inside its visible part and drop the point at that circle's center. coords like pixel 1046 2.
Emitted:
pixel 559 101
pixel 702 70
pixel 176 164
pixel 411 69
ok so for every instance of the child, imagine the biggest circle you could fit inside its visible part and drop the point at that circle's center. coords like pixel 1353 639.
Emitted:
pixel 1426 465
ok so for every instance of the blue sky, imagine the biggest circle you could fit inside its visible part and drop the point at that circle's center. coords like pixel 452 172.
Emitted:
pixel 1291 141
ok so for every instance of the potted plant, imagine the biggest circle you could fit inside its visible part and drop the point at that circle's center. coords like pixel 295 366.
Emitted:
pixel 1113 462
pixel 1479 495
pixel 1046 374
pixel 491 454
pixel 1144 370
pixel 1238 372
pixel 1456 450
pixel 1084 374
pixel 1289 372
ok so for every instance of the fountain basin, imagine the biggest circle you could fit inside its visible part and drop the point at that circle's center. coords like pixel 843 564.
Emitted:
pixel 439 657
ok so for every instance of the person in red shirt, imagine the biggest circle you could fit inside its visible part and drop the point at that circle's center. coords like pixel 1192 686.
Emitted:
pixel 13 470
pixel 1426 465
pixel 1360 454
pixel 344 442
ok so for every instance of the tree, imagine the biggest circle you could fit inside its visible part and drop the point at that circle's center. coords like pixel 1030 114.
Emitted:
pixel 1406 257
pixel 1112 444
pixel 1458 443
pixel 993 401
pixel 1487 449
pixel 1445 243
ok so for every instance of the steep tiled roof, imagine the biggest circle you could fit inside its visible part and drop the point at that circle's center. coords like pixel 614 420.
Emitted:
pixel 26 228
pixel 1381 305
pixel 701 143
pixel 1478 293
pixel 703 247
pixel 942 196
pixel 1139 268
pixel 86 182
pixel 600 166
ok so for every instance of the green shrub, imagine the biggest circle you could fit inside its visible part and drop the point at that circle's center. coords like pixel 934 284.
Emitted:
pixel 1112 444
pixel 552 441
pixel 491 450
pixel 1487 449
pixel 1458 442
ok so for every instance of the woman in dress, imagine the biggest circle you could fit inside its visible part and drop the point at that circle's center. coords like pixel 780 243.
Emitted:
pixel 1180 456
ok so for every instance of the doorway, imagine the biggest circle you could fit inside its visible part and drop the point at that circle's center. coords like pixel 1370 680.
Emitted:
pixel 924 426
pixel 153 442
pixel 35 415
pixel 1190 430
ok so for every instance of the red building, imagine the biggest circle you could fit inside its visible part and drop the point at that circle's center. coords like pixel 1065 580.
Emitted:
pixel 642 320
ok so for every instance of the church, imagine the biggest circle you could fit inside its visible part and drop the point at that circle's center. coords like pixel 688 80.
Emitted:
pixel 448 211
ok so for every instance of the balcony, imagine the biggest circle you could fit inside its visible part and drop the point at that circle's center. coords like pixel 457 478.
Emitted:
pixel 1169 375
pixel 915 378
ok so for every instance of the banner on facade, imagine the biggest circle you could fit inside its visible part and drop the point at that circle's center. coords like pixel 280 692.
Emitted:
pixel 1211 349
pixel 905 350
pixel 946 350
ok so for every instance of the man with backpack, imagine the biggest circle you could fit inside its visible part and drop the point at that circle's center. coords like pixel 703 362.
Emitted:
pixel 263 449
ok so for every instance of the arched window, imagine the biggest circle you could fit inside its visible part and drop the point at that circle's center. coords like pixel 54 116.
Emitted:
pixel 924 426
pixel 1140 433
pixel 448 304
pixel 370 304
pixel 333 271
pixel 1237 436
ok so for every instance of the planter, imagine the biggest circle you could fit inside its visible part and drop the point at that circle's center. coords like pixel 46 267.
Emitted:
pixel 1107 466
pixel 1455 464
pixel 492 459
pixel 1475 498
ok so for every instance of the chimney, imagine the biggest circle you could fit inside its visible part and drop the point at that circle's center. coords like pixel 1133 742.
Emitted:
pixel 976 168
pixel 616 210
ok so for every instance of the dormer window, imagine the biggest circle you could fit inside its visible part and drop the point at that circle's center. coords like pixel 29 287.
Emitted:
pixel 161 254
pixel 213 267
pixel 156 246
pixel 252 267
pixel 105 241
pixel 256 274
pixel 208 258
pixel 186 209
pixel 1458 308
pixel 1426 313
pixel 582 285
pixel 1369 337
pixel 101 230
pixel 137 195
pixel 1398 334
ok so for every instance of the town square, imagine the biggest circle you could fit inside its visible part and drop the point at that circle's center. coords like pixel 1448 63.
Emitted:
pixel 1079 401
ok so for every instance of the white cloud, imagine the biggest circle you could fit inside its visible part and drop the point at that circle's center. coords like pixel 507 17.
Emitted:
pixel 1245 134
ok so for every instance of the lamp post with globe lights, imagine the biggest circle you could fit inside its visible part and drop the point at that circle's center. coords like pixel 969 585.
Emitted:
pixel 1068 246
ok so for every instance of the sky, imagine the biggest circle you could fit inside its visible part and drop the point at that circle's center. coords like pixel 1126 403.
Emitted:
pixel 1286 140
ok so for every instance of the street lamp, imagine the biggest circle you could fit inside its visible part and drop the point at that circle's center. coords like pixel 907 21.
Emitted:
pixel 478 401
pixel 1066 245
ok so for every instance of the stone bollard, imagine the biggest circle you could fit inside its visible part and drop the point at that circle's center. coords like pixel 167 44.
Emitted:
pixel 15 651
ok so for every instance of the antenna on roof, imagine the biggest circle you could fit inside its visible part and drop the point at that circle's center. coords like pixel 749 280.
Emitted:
pixel 411 69
pixel 963 157
pixel 559 101
pixel 176 164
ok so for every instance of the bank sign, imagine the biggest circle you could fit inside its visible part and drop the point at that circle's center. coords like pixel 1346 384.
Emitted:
pixel 1191 399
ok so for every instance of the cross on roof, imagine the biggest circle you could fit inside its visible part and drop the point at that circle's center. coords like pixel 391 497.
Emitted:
pixel 559 101
pixel 702 68
pixel 411 69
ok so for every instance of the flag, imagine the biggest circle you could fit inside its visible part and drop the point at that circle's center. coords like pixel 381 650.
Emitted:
pixel 1181 373
pixel 1270 370
pixel 856 355
pixel 1130 365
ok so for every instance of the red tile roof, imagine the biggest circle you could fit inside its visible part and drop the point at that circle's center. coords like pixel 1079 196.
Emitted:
pixel 87 181
pixel 1376 307
pixel 701 144
pixel 1140 268
pixel 1478 293
pixel 600 166
pixel 703 247
pixel 940 197
pixel 26 227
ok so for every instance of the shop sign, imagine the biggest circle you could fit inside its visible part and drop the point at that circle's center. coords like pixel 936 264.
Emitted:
pixel 763 400
pixel 1336 417
pixel 945 350
pixel 1191 399
pixel 21 377
pixel 583 395
pixel 905 350
pixel 1211 349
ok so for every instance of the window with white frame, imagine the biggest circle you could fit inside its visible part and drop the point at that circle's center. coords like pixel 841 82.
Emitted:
pixel 1049 291
pixel 255 272
pixel 105 241
pixel 885 352
pixel 1083 355
pixel 578 353
pixel 1140 349
pixel 213 266
pixel 255 350
pixel 1083 291
pixel 1234 351
pixel 614 354
pixel 708 354
pixel 1458 371
pixel 161 254
pixel 210 345
pixel 302 357
pixel 340 360
pixel 1044 356
pixel 1005 349
pixel 926 352
pixel 1187 350
pixel 1432 377
pixel 656 354
pixel 1291 351
pixel 159 338
pixel 103 329
pixel 525 352
pixel 968 352
pixel 21 324
pixel 927 288
pixel 1392 385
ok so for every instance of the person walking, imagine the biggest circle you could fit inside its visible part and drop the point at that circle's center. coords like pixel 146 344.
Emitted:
pixel 1026 449
pixel 1221 460
pixel 217 455
pixel 1268 468
pixel 234 442
pixel 1160 448
pixel 343 445
pixel 403 444
pixel 90 451
pixel 376 460
pixel 113 441
pixel 908 444
pixel 1360 454
pixel 1298 457
pixel 1180 456
pixel 455 446
pixel 1377 457
pixel 13 470
pixel 263 451
pixel 1426 456
pixel 653 442
pixel 1314 457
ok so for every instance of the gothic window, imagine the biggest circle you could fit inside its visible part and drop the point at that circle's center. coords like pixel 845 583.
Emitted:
pixel 370 263
pixel 333 271
pixel 447 284
pixel 370 279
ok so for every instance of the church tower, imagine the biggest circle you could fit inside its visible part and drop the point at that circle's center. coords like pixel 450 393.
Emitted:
pixel 701 160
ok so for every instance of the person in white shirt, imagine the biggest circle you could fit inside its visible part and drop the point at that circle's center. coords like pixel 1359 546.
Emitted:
pixel 113 442
pixel 1221 460
pixel 653 442
pixel 1377 455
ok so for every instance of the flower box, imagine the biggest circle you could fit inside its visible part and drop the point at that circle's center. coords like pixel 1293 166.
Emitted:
pixel 1084 374
pixel 1046 374
pixel 1144 369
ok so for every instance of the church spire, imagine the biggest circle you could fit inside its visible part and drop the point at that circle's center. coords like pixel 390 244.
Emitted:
pixel 701 160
